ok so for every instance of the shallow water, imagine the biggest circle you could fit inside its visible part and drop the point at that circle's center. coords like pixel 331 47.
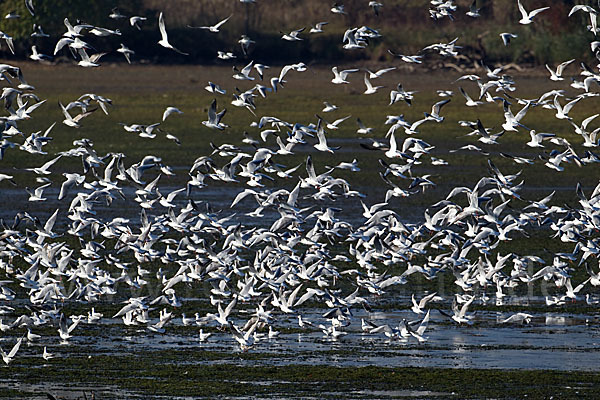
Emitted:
pixel 551 341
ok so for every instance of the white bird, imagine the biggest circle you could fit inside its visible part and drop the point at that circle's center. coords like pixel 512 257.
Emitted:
pixel 350 166
pixel 272 333
pixel 244 74
pixel 506 37
pixel 322 145
pixel 223 316
pixel 47 355
pixel 518 318
pixel 126 51
pixel 225 55
pixel 89 61
pixel 395 190
pixel 245 42
pixel 9 357
pixel 44 169
pixel 572 293
pixel 329 107
pixel 338 9
pixel 335 124
pixel 378 73
pixel 37 194
pixel 393 151
pixel 29 6
pixel 31 337
pixel 527 17
pixel 116 14
pixel 318 28
pixel 473 10
pixel 303 323
pixel 203 336
pixel 245 339
pixel 214 118
pixel 164 41
pixel 370 88
pixel 538 138
pixel 470 102
pixel 362 129
pixel 562 112
pixel 460 315
pixel 293 35
pixel 408 59
pixel 169 111
pixel 260 69
pixel 418 334
pixel 418 308
pixel 135 21
pixel 64 330
pixel 35 56
pixel 214 28
pixel 376 6
pixel 340 77
pixel 214 88
pixel 435 111
pixel 71 179
pixel 73 122
pixel 513 121
pixel 557 76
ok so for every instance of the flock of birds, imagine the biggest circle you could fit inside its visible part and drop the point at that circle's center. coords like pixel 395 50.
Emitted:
pixel 254 274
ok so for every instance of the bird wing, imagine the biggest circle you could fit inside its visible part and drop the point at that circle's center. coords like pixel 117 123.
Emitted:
pixel 423 325
pixel 321 137
pixel 463 309
pixel 393 144
pixel 50 163
pixel 415 125
pixel 174 193
pixel 386 180
pixel 81 116
pixel 230 306
pixel 292 297
pixel 368 83
pixel 310 168
pixel 161 27
pixel 50 222
pixel 561 67
pixel 585 8
pixel 340 120
pixel 522 9
pixel 586 121
pixel 246 70
pixel 73 326
pixel 345 72
pixel 462 91
pixel 522 112
pixel 15 348
pixel 384 70
pixel 570 105
pixel 426 299
pixel 435 109
pixel 537 11
pixel 29 5
pixel 216 26
pixel 65 112
pixel 95 58
pixel 212 112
